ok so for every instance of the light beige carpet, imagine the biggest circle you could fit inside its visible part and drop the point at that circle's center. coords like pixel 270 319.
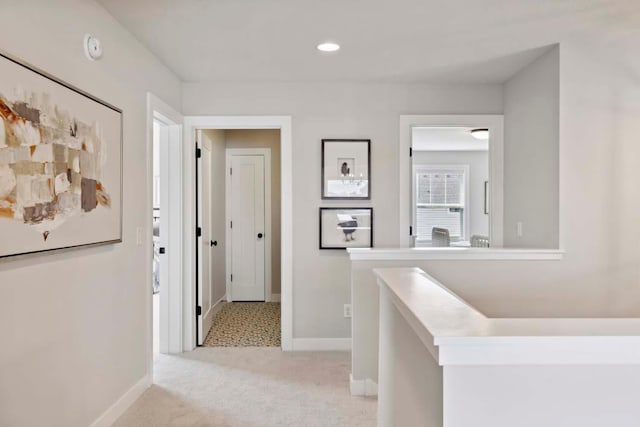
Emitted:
pixel 243 324
pixel 251 387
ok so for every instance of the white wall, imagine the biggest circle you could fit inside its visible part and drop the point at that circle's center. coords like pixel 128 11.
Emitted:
pixel 478 162
pixel 599 199
pixel 531 168
pixel 324 110
pixel 599 174
pixel 73 324
pixel 599 275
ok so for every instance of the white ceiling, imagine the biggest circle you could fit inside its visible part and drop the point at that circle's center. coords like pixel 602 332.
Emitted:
pixel 382 40
pixel 446 139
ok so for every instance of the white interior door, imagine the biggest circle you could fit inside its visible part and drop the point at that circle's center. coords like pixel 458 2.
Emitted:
pixel 204 242
pixel 246 203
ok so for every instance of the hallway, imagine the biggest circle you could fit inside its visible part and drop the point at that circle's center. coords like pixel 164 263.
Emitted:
pixel 245 324
pixel 250 387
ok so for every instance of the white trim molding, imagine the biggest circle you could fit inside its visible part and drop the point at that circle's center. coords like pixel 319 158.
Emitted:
pixel 116 410
pixel 495 124
pixel 193 123
pixel 215 309
pixel 171 299
pixel 454 253
pixel 321 344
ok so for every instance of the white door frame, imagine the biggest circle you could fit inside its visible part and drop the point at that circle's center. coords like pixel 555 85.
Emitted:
pixel 191 124
pixel 266 152
pixel 170 324
pixel 495 124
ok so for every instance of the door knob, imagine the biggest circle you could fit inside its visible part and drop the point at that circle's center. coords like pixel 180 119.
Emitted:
pixel 214 243
pixel 259 235
pixel 161 250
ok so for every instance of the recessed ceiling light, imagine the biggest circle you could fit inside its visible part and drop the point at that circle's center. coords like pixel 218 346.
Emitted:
pixel 482 134
pixel 328 47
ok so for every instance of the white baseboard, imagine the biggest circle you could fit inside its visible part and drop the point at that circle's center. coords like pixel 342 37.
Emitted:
pixel 275 297
pixel 122 404
pixel 218 305
pixel 366 387
pixel 207 321
pixel 321 344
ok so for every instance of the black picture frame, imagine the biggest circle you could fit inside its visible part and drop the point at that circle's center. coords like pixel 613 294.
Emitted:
pixel 361 173
pixel 348 229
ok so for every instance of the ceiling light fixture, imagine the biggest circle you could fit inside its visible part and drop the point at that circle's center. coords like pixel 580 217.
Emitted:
pixel 328 47
pixel 481 134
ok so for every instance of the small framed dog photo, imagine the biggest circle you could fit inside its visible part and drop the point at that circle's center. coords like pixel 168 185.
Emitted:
pixel 342 228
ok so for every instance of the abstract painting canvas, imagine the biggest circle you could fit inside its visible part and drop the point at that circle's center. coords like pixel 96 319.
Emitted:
pixel 60 164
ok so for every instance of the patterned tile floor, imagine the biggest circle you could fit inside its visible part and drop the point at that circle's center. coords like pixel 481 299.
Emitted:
pixel 246 324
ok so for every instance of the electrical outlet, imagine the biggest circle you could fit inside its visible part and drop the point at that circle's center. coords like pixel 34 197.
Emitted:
pixel 347 311
pixel 519 228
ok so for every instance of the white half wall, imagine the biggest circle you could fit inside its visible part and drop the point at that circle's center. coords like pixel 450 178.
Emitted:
pixel 73 324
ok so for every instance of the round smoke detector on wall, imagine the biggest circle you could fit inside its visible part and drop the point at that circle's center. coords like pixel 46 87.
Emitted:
pixel 92 47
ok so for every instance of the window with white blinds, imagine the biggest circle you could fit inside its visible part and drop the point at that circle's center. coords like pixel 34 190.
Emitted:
pixel 440 200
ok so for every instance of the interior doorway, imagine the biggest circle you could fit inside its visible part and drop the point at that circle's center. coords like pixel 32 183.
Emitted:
pixel 450 186
pixel 446 134
pixel 238 237
pixel 162 236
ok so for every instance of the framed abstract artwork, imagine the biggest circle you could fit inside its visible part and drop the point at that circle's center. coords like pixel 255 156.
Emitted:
pixel 346 169
pixel 60 164
pixel 342 228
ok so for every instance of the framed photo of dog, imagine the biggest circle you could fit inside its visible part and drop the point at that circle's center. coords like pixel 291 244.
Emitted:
pixel 342 228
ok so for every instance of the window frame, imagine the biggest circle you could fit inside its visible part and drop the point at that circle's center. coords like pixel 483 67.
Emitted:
pixel 427 167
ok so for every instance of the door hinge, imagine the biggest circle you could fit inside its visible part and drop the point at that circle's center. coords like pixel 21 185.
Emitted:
pixel 198 153
pixel 410 152
pixel 230 171
pixel 198 231
pixel 199 311
pixel 231 224
pixel 410 231
pixel 232 277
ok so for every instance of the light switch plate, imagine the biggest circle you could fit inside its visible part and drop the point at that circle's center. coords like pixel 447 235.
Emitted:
pixel 347 311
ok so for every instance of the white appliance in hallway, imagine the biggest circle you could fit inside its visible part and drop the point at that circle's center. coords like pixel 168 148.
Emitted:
pixel 246 221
